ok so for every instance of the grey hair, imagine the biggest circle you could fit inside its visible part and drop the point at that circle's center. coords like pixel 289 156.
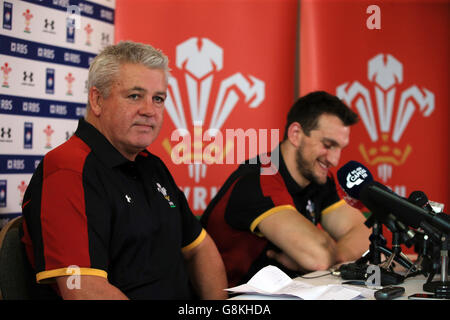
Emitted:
pixel 105 66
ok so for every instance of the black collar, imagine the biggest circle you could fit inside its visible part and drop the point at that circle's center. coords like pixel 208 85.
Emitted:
pixel 99 145
pixel 293 187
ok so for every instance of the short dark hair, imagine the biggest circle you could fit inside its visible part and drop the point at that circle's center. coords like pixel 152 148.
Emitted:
pixel 307 109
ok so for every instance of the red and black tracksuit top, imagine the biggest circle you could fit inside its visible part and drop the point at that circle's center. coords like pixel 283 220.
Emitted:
pixel 88 207
pixel 246 198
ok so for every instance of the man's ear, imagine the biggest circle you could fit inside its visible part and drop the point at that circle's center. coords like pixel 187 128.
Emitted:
pixel 95 101
pixel 295 134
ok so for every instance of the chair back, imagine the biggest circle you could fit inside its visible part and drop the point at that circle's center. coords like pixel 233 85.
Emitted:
pixel 15 276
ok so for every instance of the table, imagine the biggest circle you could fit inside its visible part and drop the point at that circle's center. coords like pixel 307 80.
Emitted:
pixel 412 285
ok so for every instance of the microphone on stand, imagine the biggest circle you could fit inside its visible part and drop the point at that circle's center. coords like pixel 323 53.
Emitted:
pixel 356 182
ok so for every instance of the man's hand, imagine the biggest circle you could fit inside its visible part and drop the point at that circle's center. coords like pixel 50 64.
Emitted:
pixel 284 259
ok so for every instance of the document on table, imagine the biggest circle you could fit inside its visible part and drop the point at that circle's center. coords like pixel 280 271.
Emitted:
pixel 271 280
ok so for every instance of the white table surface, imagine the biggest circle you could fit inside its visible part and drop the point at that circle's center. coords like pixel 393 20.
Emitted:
pixel 412 285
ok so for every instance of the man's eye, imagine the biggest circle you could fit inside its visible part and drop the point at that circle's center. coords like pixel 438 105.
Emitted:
pixel 158 99
pixel 134 96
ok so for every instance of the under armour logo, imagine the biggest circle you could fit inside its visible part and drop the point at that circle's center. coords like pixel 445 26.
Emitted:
pixel 49 24
pixel 105 37
pixel 128 198
pixel 28 76
pixel 4 132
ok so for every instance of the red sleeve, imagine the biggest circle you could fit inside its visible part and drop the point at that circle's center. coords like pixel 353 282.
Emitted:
pixel 253 198
pixel 63 219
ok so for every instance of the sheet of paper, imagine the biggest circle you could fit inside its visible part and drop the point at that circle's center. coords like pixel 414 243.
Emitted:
pixel 363 291
pixel 271 280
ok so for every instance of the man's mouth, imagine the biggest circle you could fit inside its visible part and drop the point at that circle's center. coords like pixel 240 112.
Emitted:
pixel 144 125
pixel 323 165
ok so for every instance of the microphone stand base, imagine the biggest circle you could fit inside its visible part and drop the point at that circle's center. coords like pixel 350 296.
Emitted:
pixel 441 289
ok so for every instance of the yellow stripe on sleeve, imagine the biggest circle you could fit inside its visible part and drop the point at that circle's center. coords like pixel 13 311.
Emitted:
pixel 196 242
pixel 46 276
pixel 269 212
pixel 333 207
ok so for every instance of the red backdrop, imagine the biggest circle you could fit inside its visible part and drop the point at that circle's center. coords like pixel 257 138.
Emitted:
pixel 396 77
pixel 399 73
pixel 243 49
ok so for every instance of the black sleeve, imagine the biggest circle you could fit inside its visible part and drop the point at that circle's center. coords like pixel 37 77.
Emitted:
pixel 327 197
pixel 331 195
pixel 191 226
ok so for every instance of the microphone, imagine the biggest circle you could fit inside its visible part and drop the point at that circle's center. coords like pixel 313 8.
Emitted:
pixel 419 198
pixel 349 185
pixel 356 181
pixel 358 177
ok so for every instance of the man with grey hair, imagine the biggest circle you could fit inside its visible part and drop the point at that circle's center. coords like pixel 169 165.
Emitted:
pixel 104 218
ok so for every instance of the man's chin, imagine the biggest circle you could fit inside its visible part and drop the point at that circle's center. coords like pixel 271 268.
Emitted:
pixel 142 144
pixel 320 180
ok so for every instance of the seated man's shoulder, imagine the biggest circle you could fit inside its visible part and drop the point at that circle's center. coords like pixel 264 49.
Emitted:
pixel 70 155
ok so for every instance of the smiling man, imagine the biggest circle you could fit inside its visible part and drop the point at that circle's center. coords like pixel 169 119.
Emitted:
pixel 104 218
pixel 258 219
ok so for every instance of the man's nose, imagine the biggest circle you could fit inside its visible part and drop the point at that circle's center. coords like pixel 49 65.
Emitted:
pixel 333 156
pixel 148 108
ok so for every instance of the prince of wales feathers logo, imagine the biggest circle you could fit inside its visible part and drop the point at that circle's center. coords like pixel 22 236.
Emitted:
pixel 200 60
pixel 163 191
pixel 385 73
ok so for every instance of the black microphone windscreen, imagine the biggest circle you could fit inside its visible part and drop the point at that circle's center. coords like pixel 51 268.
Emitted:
pixel 352 177
pixel 418 198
